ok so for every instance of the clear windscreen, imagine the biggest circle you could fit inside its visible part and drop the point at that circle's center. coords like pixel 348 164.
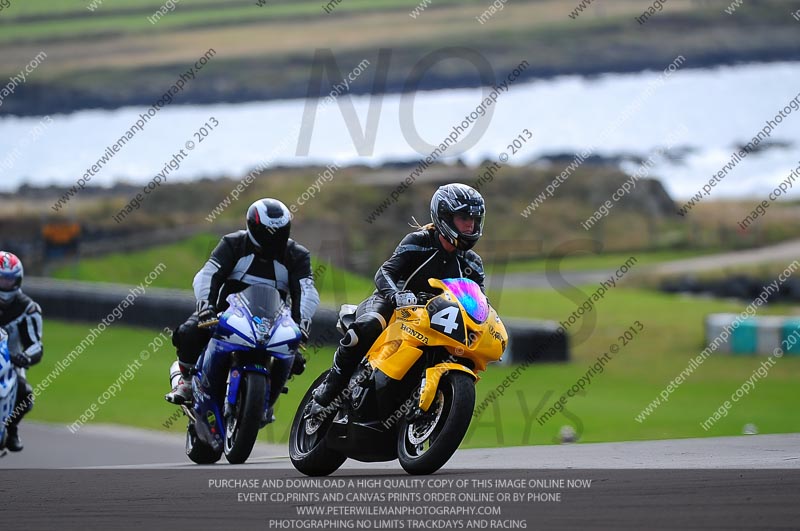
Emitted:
pixel 263 300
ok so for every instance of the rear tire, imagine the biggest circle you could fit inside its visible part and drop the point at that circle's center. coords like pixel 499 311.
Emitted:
pixel 197 450
pixel 241 429
pixel 309 453
pixel 426 444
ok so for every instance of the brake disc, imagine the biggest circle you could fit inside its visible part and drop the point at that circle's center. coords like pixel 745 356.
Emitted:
pixel 431 421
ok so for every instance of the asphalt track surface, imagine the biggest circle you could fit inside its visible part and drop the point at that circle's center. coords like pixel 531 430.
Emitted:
pixel 97 446
pixel 123 478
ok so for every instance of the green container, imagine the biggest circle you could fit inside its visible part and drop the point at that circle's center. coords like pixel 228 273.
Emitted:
pixel 790 327
pixel 744 339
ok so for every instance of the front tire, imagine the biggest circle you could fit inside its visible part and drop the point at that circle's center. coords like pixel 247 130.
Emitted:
pixel 241 428
pixel 427 443
pixel 309 452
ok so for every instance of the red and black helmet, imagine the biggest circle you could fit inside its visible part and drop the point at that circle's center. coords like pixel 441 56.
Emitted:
pixel 11 273
pixel 458 198
pixel 268 225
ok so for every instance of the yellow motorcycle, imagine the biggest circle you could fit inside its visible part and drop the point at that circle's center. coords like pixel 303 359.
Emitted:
pixel 413 395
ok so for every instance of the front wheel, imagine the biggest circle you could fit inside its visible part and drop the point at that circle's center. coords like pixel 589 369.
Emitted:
pixel 241 426
pixel 308 449
pixel 427 443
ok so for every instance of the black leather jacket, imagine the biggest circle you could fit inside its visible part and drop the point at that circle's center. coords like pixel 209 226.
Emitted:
pixel 420 256
pixel 22 320
pixel 236 264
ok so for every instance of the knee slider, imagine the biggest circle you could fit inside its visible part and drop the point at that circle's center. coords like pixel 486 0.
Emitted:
pixel 350 338
pixel 365 328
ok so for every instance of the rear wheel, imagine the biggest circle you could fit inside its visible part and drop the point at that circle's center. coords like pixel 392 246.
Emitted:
pixel 308 449
pixel 241 426
pixel 427 443
pixel 198 451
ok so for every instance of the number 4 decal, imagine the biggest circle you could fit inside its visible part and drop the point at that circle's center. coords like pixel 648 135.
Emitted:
pixel 446 318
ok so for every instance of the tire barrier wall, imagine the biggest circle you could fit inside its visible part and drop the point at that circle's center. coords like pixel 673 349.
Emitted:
pixel 90 302
pixel 738 287
pixel 755 335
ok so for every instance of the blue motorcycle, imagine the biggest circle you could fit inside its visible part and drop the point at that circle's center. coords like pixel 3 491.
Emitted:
pixel 233 387
pixel 8 388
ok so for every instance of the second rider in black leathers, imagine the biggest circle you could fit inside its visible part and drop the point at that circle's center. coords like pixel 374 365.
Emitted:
pixel 261 254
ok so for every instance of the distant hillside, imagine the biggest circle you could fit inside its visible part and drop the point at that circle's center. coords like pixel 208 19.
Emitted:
pixel 113 56
pixel 340 221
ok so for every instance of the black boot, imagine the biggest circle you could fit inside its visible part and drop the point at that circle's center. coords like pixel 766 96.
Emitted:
pixel 344 363
pixel 13 441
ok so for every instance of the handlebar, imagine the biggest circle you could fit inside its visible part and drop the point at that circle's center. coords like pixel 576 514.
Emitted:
pixel 424 296
pixel 208 324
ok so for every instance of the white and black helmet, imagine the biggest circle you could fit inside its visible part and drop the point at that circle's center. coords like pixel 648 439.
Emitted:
pixel 458 198
pixel 268 225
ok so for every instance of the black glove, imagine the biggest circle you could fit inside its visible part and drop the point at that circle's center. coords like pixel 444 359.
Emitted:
pixel 206 314
pixel 21 360
pixel 404 298
pixel 299 364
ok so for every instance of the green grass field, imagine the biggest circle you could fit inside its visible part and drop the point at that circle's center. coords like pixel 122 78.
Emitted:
pixel 184 259
pixel 672 334
pixel 39 21
pixel 606 412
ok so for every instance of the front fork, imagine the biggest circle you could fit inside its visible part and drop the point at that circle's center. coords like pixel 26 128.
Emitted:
pixel 235 376
pixel 430 382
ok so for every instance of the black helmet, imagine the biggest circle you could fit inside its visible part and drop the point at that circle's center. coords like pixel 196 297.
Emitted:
pixel 268 225
pixel 457 198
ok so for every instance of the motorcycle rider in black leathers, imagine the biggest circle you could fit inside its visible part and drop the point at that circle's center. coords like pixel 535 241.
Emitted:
pixel 261 254
pixel 21 318
pixel 441 249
